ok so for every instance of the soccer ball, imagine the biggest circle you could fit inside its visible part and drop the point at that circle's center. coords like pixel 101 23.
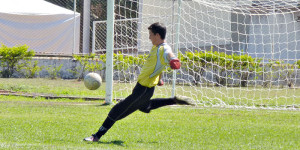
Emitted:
pixel 92 81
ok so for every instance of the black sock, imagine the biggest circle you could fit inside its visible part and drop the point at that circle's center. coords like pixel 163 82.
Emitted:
pixel 107 124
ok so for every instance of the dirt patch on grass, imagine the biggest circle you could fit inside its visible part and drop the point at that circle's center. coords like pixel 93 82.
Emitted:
pixel 6 92
pixel 50 103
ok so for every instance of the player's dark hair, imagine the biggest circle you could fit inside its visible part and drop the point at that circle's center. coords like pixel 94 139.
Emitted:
pixel 158 28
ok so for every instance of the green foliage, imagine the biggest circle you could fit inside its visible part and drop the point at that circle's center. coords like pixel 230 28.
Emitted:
pixel 244 66
pixel 124 62
pixel 127 65
pixel 89 63
pixel 11 56
pixel 221 64
pixel 194 63
pixel 281 71
pixel 268 74
pixel 288 74
pixel 30 69
pixel 228 66
pixel 54 71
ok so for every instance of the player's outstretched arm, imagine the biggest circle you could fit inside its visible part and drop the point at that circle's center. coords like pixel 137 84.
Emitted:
pixel 174 61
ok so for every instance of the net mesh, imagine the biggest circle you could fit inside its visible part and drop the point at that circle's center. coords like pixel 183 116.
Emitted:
pixel 234 53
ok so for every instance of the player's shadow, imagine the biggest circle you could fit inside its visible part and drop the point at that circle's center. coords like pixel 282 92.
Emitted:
pixel 115 142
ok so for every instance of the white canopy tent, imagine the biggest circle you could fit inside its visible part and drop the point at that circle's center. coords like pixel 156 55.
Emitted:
pixel 43 26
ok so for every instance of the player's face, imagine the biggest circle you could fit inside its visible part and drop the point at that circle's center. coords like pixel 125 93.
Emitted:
pixel 153 37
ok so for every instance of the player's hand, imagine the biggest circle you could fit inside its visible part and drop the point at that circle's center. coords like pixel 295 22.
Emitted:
pixel 175 63
pixel 160 82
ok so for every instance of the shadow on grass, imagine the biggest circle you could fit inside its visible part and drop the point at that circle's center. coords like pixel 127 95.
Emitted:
pixel 105 104
pixel 115 142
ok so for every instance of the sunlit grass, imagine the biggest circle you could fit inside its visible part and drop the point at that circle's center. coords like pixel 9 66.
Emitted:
pixel 205 96
pixel 48 86
pixel 37 123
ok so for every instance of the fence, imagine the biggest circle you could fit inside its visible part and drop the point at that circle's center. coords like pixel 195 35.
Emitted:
pixel 265 30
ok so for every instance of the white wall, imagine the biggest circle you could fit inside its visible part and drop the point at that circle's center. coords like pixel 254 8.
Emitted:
pixel 274 36
pixel 203 22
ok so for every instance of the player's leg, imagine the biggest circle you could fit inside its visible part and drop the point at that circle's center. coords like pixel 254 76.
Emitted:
pixel 160 102
pixel 139 96
pixel 107 124
pixel 156 103
pixel 123 109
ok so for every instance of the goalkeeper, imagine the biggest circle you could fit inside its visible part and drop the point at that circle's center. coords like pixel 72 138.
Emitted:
pixel 160 56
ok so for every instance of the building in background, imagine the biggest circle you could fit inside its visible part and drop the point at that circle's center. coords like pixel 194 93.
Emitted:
pixel 46 28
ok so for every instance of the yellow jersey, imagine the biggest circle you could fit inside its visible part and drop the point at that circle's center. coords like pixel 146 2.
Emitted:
pixel 154 65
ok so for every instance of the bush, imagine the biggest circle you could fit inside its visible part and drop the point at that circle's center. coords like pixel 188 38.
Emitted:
pixel 127 65
pixel 11 56
pixel 54 71
pixel 30 69
pixel 222 66
pixel 89 63
pixel 244 65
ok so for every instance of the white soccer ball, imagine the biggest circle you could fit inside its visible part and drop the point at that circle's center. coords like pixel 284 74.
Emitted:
pixel 92 81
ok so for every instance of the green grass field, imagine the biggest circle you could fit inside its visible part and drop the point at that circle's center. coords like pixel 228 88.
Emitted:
pixel 206 96
pixel 37 123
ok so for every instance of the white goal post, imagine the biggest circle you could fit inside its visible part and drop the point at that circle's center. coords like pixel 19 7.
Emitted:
pixel 234 53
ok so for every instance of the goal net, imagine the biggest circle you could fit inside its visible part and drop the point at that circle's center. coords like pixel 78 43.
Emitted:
pixel 234 53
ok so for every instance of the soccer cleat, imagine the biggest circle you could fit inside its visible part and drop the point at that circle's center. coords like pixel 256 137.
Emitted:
pixel 182 100
pixel 92 138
